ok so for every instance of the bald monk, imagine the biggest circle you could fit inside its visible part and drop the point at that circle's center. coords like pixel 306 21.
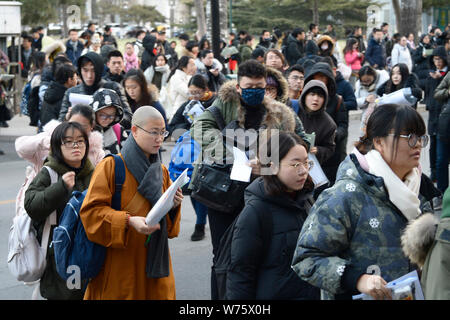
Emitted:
pixel 133 269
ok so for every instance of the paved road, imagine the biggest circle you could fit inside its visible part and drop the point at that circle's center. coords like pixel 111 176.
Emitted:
pixel 191 260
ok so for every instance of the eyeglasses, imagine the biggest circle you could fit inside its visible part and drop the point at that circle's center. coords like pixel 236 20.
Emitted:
pixel 195 93
pixel 163 134
pixel 103 116
pixel 305 165
pixel 271 89
pixel 414 138
pixel 72 144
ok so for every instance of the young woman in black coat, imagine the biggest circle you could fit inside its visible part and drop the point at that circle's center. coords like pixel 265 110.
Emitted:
pixel 284 193
pixel 400 78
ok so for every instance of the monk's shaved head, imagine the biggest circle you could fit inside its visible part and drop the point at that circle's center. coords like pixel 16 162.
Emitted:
pixel 145 114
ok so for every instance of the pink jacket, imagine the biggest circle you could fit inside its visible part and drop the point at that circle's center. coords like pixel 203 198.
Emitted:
pixel 352 59
pixel 131 62
pixel 35 150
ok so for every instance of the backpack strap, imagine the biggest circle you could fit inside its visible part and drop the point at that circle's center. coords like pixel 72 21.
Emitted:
pixel 215 111
pixel 118 132
pixel 295 105
pixel 51 219
pixel 339 103
pixel 119 179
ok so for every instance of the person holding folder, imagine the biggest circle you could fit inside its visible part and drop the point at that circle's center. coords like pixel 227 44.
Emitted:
pixel 133 269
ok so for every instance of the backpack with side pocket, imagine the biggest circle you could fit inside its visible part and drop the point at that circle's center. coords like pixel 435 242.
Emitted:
pixel 183 156
pixel 222 259
pixel 26 257
pixel 71 246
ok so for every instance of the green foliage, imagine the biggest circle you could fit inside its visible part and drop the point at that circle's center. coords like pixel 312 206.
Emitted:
pixel 43 12
pixel 38 12
pixel 142 14
pixel 255 15
pixel 427 4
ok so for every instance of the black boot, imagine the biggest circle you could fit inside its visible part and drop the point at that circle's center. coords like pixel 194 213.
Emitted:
pixel 199 232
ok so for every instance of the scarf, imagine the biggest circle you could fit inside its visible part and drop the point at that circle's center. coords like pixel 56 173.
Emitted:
pixel 403 194
pixel 372 87
pixel 148 173
pixel 208 95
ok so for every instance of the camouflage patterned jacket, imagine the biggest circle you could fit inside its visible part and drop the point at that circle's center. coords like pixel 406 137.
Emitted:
pixel 352 229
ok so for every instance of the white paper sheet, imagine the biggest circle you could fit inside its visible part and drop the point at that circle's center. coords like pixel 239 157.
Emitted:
pixel 78 98
pixel 241 171
pixel 165 203
pixel 401 97
pixel 318 176
pixel 193 111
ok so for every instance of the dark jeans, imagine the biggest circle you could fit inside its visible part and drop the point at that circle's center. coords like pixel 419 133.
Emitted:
pixel 201 211
pixel 218 224
pixel 433 154
pixel 442 154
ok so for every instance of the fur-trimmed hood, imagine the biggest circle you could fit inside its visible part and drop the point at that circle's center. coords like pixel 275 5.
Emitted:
pixel 278 115
pixel 283 92
pixel 324 38
pixel 418 238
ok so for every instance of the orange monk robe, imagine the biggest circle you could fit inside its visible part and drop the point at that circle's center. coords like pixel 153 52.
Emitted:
pixel 123 274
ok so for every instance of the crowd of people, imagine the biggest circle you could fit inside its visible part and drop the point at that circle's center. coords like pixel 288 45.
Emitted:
pixel 290 238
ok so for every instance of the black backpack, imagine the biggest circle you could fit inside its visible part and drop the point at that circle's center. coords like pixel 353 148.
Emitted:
pixel 222 259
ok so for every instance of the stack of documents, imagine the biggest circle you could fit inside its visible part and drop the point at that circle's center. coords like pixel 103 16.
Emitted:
pixel 165 203
pixel 404 288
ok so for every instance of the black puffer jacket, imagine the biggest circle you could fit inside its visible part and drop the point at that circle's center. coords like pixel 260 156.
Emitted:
pixel 295 50
pixel 411 82
pixel 114 77
pixel 148 56
pixel 51 105
pixel 311 52
pixel 319 122
pixel 421 63
pixel 337 110
pixel 433 105
pixel 256 273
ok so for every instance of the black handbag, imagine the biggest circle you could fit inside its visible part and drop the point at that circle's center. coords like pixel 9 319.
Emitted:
pixel 212 185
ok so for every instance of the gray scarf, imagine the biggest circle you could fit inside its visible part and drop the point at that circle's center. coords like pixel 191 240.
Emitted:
pixel 148 173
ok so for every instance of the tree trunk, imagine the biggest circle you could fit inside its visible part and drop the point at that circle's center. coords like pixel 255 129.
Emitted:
pixel 397 12
pixel 201 20
pixel 223 4
pixel 215 27
pixel 65 29
pixel 408 16
pixel 316 12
